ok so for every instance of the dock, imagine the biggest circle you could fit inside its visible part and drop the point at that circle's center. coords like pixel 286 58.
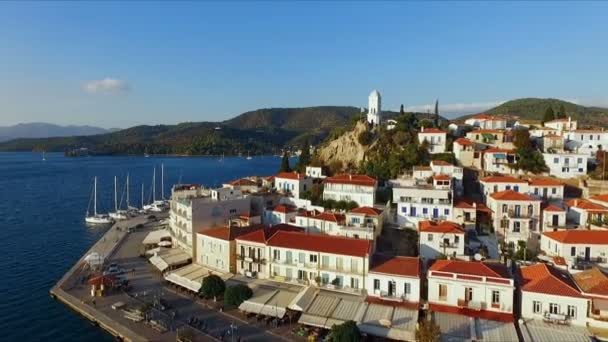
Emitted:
pixel 105 246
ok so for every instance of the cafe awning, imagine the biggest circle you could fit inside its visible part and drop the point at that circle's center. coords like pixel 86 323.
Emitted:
pixel 189 277
pixel 169 258
pixel 156 236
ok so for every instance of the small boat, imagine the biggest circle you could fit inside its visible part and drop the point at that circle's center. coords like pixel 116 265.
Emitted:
pixel 43 155
pixel 222 159
pixel 96 219
pixel 248 156
pixel 117 214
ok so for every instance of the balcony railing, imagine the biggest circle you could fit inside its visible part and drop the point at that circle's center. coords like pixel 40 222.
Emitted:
pixel 249 258
pixel 519 214
pixel 470 304
pixel 448 244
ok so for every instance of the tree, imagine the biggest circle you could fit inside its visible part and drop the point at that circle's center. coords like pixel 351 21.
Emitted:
pixel 304 159
pixel 213 287
pixel 428 331
pixel 345 332
pixel 365 138
pixel 561 114
pixel 401 112
pixel 237 294
pixel 285 163
pixel 437 113
pixel 549 115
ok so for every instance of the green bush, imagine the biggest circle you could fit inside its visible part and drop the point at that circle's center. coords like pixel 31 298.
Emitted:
pixel 345 332
pixel 213 287
pixel 365 138
pixel 237 294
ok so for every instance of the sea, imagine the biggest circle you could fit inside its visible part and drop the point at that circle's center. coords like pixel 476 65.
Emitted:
pixel 42 230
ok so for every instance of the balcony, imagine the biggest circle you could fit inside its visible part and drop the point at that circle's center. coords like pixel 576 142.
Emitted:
pixel 520 214
pixel 448 244
pixel 334 268
pixel 470 304
pixel 251 259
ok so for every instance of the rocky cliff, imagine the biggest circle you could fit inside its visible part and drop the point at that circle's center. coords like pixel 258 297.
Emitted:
pixel 345 152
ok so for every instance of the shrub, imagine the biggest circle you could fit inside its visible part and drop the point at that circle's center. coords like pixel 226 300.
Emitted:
pixel 237 294
pixel 365 138
pixel 345 332
pixel 213 287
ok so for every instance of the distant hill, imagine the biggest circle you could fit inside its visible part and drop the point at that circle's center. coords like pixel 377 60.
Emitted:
pixel 255 132
pixel 534 108
pixel 46 130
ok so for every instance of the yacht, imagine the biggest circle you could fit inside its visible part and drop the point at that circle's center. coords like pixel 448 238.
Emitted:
pixel 96 219
pixel 117 214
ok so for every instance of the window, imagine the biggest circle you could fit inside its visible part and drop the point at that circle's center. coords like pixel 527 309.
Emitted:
pixel 495 188
pixel 446 212
pixel 354 265
pixel 495 298
pixel 505 208
pixel 580 160
pixel 516 188
pixel 571 311
pixel 554 308
pixel 443 292
pixel 536 307
pixel 468 294
pixel 407 288
pixel 354 283
pixel 425 210
pixel 312 258
pixel 404 210
pixel 516 227
pixel 276 254
pixel 555 160
pixel 430 237
pixel 572 251
pixel 554 191
pixel 376 284
pixel 508 187
pixel 325 261
pixel 536 191
pixel 232 211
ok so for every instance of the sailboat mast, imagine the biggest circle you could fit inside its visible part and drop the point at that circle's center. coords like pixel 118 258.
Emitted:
pixel 142 195
pixel 154 185
pixel 127 191
pixel 95 197
pixel 115 194
pixel 162 181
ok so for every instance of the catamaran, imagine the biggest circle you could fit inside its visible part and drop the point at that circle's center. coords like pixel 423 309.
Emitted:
pixel 117 214
pixel 96 218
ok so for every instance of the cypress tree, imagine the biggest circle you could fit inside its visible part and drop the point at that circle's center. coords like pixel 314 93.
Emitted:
pixel 437 113
pixel 285 163
pixel 304 159
pixel 549 115
pixel 401 111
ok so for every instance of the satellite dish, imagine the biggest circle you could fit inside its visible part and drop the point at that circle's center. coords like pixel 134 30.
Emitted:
pixel 477 257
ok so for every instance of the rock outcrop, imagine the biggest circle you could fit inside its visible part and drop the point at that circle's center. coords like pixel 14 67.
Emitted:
pixel 345 152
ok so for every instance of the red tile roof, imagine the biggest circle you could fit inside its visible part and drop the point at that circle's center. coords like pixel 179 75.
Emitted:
pixel 320 243
pixel 431 131
pixel 586 205
pixel 482 117
pixel 502 179
pixel 330 216
pixel 243 182
pixel 510 195
pixel 553 208
pixel 441 227
pixel 497 150
pixel 441 177
pixel 262 235
pixel 285 209
pixel 560 261
pixel 398 265
pixel 307 213
pixel 440 163
pixel 593 282
pixel 290 175
pixel 579 236
pixel 369 211
pixel 484 269
pixel 464 142
pixel 489 131
pixel 363 180
pixel 600 198
pixel 545 182
pixel 542 278
pixel 228 233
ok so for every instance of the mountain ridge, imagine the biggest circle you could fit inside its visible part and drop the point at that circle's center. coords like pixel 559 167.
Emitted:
pixel 47 130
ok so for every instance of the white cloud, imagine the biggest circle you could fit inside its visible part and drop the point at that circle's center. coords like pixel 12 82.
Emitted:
pixel 472 107
pixel 107 85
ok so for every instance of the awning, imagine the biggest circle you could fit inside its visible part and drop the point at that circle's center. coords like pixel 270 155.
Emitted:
pixel 269 302
pixel 156 236
pixel 387 321
pixel 170 258
pixel 329 308
pixel 303 299
pixel 189 277
pixel 500 156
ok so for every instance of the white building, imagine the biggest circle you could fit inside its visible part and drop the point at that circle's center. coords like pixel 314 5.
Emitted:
pixel 546 290
pixel 292 183
pixel 216 247
pixel 419 202
pixel 586 214
pixel 194 208
pixel 436 139
pixel 395 279
pixel 586 141
pixel 323 260
pixel 314 172
pixel 499 160
pixel 564 124
pixel 484 138
pixel 440 238
pixel 554 217
pixel 546 189
pixel 492 184
pixel 566 165
pixel 593 284
pixel 515 217
pixel 280 214
pixel 327 222
pixel 374 114
pixel 485 121
pixel 358 188
pixel 363 223
pixel 464 152
pixel 480 289
pixel 576 245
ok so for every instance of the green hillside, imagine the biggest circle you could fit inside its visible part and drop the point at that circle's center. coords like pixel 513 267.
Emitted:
pixel 534 109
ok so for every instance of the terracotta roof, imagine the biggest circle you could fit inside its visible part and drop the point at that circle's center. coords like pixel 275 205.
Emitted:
pixel 262 235
pixel 464 142
pixel 482 117
pixel 228 233
pixel 462 204
pixel 600 198
pixel 440 227
pixel 440 163
pixel 497 150
pixel 307 213
pixel 592 281
pixel 579 236
pixel 489 131
pixel 585 205
pixel 511 195
pixel 441 177
pixel 545 182
pixel 398 265
pixel 330 216
pixel 422 168
pixel 290 175
pixel 243 182
pixel 285 209
pixel 431 131
pixel 542 278
pixel 502 179
pixel 484 269
pixel 560 261
pixel 554 208
pixel 320 243
pixel 363 180
pixel 367 211
pixel 269 178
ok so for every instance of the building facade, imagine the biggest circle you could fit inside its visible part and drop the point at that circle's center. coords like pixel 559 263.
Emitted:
pixel 357 188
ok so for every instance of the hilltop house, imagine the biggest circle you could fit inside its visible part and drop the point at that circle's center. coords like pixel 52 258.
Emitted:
pixel 358 188
pixel 292 183
pixel 436 139
pixel 485 121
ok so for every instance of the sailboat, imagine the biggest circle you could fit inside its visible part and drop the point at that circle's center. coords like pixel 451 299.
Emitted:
pixel 43 155
pixel 117 214
pixel 248 156
pixel 157 205
pixel 222 159
pixel 96 218
pixel 130 208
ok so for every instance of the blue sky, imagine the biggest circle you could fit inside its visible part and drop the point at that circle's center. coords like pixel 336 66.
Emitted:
pixel 117 65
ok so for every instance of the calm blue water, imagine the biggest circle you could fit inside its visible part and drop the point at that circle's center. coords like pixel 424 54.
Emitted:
pixel 42 208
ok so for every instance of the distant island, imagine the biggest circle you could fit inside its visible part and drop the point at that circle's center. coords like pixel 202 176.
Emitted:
pixel 47 130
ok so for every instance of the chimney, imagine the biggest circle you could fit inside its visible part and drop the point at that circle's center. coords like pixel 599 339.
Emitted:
pixel 350 177
pixel 422 129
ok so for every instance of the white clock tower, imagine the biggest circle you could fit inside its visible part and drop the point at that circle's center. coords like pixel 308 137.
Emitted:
pixel 374 108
